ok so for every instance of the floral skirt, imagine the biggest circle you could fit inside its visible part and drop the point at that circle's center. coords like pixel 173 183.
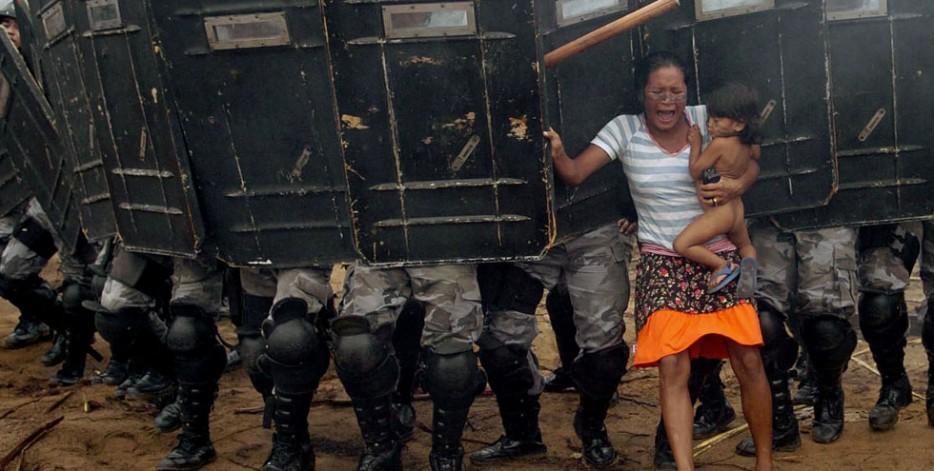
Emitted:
pixel 674 313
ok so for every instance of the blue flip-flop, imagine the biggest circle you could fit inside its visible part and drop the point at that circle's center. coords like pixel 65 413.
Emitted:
pixel 747 284
pixel 731 271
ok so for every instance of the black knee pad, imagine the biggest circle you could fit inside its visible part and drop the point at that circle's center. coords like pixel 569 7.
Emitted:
pixel 34 236
pixel 829 341
pixel 506 287
pixel 121 329
pixel 883 318
pixel 452 380
pixel 507 367
pixel 780 350
pixel 296 356
pixel 597 374
pixel 364 360
pixel 192 339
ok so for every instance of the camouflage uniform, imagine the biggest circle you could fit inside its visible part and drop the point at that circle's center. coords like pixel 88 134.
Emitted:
pixel 808 278
pixel 369 365
pixel 593 267
pixel 887 254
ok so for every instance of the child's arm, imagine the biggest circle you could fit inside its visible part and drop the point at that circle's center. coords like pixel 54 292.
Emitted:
pixel 708 158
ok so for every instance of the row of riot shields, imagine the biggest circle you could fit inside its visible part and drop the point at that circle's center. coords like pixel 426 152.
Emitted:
pixel 297 132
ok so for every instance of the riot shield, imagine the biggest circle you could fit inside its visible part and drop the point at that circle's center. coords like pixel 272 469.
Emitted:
pixel 13 190
pixel 775 47
pixel 882 90
pixel 441 110
pixel 583 94
pixel 253 87
pixel 142 148
pixel 28 130
pixel 56 40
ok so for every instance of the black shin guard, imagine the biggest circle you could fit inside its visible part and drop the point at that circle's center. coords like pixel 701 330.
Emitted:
pixel 830 341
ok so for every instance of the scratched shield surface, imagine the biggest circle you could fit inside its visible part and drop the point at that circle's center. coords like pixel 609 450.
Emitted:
pixel 252 83
pixel 441 112
pixel 57 41
pixel 776 47
pixel 583 94
pixel 28 130
pixel 882 90
pixel 143 151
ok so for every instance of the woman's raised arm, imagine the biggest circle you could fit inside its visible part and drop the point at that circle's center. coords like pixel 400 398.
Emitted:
pixel 575 171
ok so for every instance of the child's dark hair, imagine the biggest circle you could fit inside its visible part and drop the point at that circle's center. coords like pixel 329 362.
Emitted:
pixel 740 103
pixel 653 62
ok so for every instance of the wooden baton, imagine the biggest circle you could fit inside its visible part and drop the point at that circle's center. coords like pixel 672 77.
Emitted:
pixel 610 30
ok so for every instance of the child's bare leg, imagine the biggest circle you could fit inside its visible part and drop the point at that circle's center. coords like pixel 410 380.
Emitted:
pixel 757 400
pixel 739 234
pixel 677 411
pixel 690 242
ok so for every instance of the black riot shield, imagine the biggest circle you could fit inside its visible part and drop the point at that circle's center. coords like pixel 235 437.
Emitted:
pixel 441 110
pixel 13 190
pixel 252 83
pixel 882 69
pixel 28 130
pixel 774 46
pixel 142 148
pixel 56 40
pixel 583 94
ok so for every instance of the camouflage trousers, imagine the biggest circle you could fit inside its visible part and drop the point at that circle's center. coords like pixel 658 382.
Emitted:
pixel 311 285
pixel 927 259
pixel 593 267
pixel 197 282
pixel 19 262
pixel 887 256
pixel 450 294
pixel 807 273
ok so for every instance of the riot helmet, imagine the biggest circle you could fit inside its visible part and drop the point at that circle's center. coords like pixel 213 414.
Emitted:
pixel 7 9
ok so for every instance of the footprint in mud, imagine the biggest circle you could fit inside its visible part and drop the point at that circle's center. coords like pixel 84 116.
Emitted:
pixel 117 443
pixel 337 447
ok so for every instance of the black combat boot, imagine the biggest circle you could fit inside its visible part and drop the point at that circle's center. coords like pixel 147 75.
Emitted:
pixel 194 448
pixel 80 337
pixel 56 353
pixel 664 458
pixel 930 391
pixel 785 434
pixel 894 396
pixel 169 418
pixel 589 423
pixel 828 414
pixel 714 414
pixel 291 446
pixel 447 454
pixel 830 341
pixel 523 436
pixel 377 420
pixel 883 319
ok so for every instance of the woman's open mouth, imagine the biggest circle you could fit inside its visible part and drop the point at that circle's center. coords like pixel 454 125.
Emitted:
pixel 666 117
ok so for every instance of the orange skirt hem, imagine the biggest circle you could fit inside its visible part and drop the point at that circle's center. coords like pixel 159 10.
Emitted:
pixel 668 332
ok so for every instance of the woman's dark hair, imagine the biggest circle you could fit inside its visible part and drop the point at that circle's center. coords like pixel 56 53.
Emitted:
pixel 740 103
pixel 653 62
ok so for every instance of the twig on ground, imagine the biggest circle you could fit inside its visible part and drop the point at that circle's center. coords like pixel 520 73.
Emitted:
pixel 27 442
pixel 250 410
pixel 706 445
pixel 59 402
pixel 20 406
pixel 628 398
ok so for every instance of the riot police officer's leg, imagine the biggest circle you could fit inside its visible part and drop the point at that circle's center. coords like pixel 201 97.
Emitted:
pixel 23 258
pixel 714 412
pixel 80 322
pixel 365 360
pixel 453 319
pixel 887 256
pixel 199 358
pixel 927 278
pixel 561 315
pixel 826 299
pixel 296 358
pixel 406 341
pixel 259 290
pixel 510 296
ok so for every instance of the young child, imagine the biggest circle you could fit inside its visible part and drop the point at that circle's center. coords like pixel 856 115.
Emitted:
pixel 732 122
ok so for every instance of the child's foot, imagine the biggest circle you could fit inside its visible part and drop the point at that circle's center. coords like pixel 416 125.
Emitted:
pixel 722 277
pixel 746 286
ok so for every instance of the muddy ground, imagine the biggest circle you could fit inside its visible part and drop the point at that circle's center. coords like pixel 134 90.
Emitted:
pixel 99 431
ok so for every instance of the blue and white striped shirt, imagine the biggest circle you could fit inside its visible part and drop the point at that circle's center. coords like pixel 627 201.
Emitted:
pixel 660 182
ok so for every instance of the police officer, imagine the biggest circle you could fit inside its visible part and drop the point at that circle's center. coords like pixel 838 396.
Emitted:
pixel 368 364
pixel 594 268
pixel 887 255
pixel 814 273
pixel 284 351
